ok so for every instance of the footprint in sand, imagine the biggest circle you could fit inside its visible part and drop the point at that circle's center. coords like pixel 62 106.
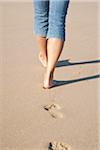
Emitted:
pixel 58 146
pixel 53 110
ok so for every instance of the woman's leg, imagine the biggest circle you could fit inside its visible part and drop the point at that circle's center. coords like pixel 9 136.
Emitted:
pixel 41 27
pixel 55 36
pixel 54 49
pixel 42 44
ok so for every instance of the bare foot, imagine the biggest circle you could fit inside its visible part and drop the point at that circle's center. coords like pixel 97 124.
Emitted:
pixel 43 59
pixel 48 80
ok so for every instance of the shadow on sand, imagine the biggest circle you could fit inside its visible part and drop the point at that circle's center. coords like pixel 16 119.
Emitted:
pixel 64 82
pixel 67 63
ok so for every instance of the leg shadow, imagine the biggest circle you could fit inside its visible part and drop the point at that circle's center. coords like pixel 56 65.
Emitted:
pixel 64 82
pixel 67 62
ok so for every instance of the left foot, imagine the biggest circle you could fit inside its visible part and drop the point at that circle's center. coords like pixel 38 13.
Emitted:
pixel 43 59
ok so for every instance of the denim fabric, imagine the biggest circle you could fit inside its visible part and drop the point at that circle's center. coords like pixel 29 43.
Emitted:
pixel 50 18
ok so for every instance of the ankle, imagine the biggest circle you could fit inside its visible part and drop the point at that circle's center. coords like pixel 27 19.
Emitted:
pixel 42 53
pixel 49 73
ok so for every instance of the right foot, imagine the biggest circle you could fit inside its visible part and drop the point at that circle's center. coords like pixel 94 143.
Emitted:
pixel 43 59
pixel 48 81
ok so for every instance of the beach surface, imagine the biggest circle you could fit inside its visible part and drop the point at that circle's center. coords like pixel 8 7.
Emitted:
pixel 26 123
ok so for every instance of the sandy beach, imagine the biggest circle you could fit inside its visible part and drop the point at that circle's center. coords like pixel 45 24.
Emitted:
pixel 26 122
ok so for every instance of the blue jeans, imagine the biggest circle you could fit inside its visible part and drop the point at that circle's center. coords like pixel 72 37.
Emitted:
pixel 50 18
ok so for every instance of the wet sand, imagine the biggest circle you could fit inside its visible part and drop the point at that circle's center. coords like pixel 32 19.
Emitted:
pixel 25 124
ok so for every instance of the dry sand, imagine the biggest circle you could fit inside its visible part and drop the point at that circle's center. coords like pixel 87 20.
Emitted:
pixel 25 125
